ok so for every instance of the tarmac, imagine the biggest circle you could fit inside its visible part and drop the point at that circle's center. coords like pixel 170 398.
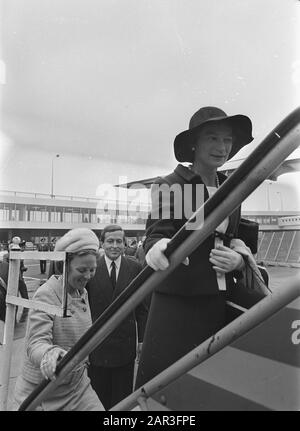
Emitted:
pixel 278 277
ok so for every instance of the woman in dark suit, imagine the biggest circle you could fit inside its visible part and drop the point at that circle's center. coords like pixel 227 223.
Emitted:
pixel 189 305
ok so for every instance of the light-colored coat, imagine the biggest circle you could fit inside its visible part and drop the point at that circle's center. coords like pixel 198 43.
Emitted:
pixel 45 331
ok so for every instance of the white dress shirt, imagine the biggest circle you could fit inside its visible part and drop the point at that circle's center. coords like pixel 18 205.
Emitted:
pixel 108 262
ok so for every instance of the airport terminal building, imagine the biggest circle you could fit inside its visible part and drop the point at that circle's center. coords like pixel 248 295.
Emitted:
pixel 33 216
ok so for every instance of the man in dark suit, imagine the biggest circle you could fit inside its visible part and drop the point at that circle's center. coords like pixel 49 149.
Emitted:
pixel 112 365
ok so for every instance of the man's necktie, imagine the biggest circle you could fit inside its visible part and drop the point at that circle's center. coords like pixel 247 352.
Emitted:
pixel 113 274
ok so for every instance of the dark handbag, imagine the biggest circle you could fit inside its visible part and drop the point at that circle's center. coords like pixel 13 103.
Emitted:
pixel 248 232
pixel 246 290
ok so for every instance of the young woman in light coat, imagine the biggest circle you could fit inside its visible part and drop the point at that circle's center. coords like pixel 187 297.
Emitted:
pixel 49 337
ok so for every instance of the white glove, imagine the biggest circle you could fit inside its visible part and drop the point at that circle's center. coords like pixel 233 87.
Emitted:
pixel 156 257
pixel 49 362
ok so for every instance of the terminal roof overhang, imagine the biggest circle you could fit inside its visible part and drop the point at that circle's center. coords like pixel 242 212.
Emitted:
pixel 288 166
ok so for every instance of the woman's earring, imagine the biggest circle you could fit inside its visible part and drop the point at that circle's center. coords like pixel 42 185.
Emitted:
pixel 193 148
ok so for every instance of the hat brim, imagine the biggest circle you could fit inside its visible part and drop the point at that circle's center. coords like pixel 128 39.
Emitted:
pixel 242 132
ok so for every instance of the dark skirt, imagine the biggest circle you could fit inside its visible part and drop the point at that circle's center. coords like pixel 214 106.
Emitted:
pixel 176 325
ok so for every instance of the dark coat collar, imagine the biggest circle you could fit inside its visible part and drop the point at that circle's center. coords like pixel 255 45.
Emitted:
pixel 190 176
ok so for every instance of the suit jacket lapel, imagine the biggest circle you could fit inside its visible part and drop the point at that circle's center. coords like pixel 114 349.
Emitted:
pixel 105 283
pixel 123 277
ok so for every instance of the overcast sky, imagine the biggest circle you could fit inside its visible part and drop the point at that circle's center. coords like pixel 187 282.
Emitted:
pixel 107 84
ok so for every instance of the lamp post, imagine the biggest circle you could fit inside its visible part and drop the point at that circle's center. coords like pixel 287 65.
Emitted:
pixel 281 202
pixel 52 173
pixel 268 195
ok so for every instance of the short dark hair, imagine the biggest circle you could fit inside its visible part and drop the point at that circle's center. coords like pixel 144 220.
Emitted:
pixel 111 228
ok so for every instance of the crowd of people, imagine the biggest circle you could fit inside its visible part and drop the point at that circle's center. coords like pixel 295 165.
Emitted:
pixel 183 311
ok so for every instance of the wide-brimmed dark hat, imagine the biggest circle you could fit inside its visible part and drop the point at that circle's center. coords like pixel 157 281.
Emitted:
pixel 241 127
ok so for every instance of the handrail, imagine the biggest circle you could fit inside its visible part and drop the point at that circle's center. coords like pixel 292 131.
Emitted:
pixel 227 335
pixel 261 162
pixel 46 195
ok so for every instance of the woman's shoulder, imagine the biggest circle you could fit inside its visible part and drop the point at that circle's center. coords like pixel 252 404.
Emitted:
pixel 50 289
pixel 179 175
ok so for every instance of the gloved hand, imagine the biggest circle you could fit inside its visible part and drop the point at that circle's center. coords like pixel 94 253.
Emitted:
pixel 156 257
pixel 49 362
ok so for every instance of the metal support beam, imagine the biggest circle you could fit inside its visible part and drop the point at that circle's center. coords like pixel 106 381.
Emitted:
pixel 12 289
pixel 12 301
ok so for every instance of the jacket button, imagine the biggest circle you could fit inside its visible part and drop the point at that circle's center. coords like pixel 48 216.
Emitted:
pixel 84 308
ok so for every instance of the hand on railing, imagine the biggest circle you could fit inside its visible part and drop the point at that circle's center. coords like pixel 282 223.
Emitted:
pixel 156 258
pixel 49 362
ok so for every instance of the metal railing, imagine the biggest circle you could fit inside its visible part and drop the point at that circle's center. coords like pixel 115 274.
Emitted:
pixel 12 301
pixel 257 314
pixel 36 195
